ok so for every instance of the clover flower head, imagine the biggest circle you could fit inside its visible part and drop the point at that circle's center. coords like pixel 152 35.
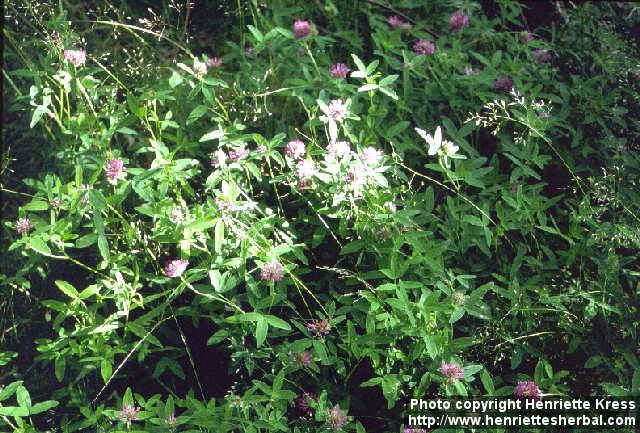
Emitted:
pixel 337 418
pixel 371 155
pixel 177 215
pixel 261 149
pixel 236 155
pixel 526 37
pixel 424 47
pixel 319 327
pixel 458 20
pixel 214 62
pixel 504 84
pixel 338 149
pixel 390 207
pixel 114 169
pixel 272 271
pixel 199 68
pixel 175 268
pixel 302 359
pixel 303 403
pixel 527 390
pixel 339 70
pixel 24 225
pixel 77 57
pixel 301 28
pixel 338 110
pixel 128 414
pixel 171 422
pixel 306 168
pixel 452 371
pixel 458 298
pixel 56 202
pixel 541 56
pixel 397 23
pixel 295 149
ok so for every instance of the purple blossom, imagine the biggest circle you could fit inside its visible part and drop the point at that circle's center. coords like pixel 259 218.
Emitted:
pixel 171 422
pixel 261 149
pixel 301 28
pixel 527 390
pixel 424 47
pixel 272 271
pixel 295 149
pixel 56 202
pixel 24 225
pixel 248 51
pixel 303 403
pixel 339 70
pixel 338 110
pixel 128 414
pixel 452 371
pixel 77 57
pixel 541 56
pixel 504 84
pixel 302 359
pixel 526 37
pixel 319 327
pixel 115 170
pixel 458 20
pixel 338 149
pixel 214 62
pixel 396 23
pixel 337 418
pixel 175 268
pixel 371 155
pixel 236 155
pixel 305 169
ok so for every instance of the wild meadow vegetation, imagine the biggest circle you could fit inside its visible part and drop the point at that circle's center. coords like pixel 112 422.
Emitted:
pixel 296 216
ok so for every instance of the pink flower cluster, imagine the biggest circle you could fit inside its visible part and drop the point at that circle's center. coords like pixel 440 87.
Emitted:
pixel 114 169
pixel 272 271
pixel 371 156
pixel 337 150
pixel 295 149
pixel 527 390
pixel 305 169
pixel 303 403
pixel 301 28
pixel 24 225
pixel 302 359
pixel 319 327
pixel 541 56
pixel 338 110
pixel 77 57
pixel 214 62
pixel 397 23
pixel 128 414
pixel 236 155
pixel 424 47
pixel 458 20
pixel 175 268
pixel 504 84
pixel 452 371
pixel 337 418
pixel 339 70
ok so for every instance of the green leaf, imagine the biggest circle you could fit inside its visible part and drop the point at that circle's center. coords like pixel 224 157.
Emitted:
pixel 40 246
pixel 23 397
pixel 277 322
pixel 103 247
pixel 43 406
pixel 105 370
pixel 60 364
pixel 487 382
pixel 175 79
pixel 368 87
pixel 216 134
pixel 196 113
pixel 67 289
pixel 86 240
pixel 219 235
pixel 36 205
pixel 97 200
pixel 261 331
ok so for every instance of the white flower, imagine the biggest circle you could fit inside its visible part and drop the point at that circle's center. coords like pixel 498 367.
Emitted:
pixel 371 155
pixel 306 168
pixel 338 110
pixel 449 149
pixel 435 142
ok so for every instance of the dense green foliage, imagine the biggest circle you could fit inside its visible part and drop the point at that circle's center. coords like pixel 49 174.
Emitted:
pixel 471 204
